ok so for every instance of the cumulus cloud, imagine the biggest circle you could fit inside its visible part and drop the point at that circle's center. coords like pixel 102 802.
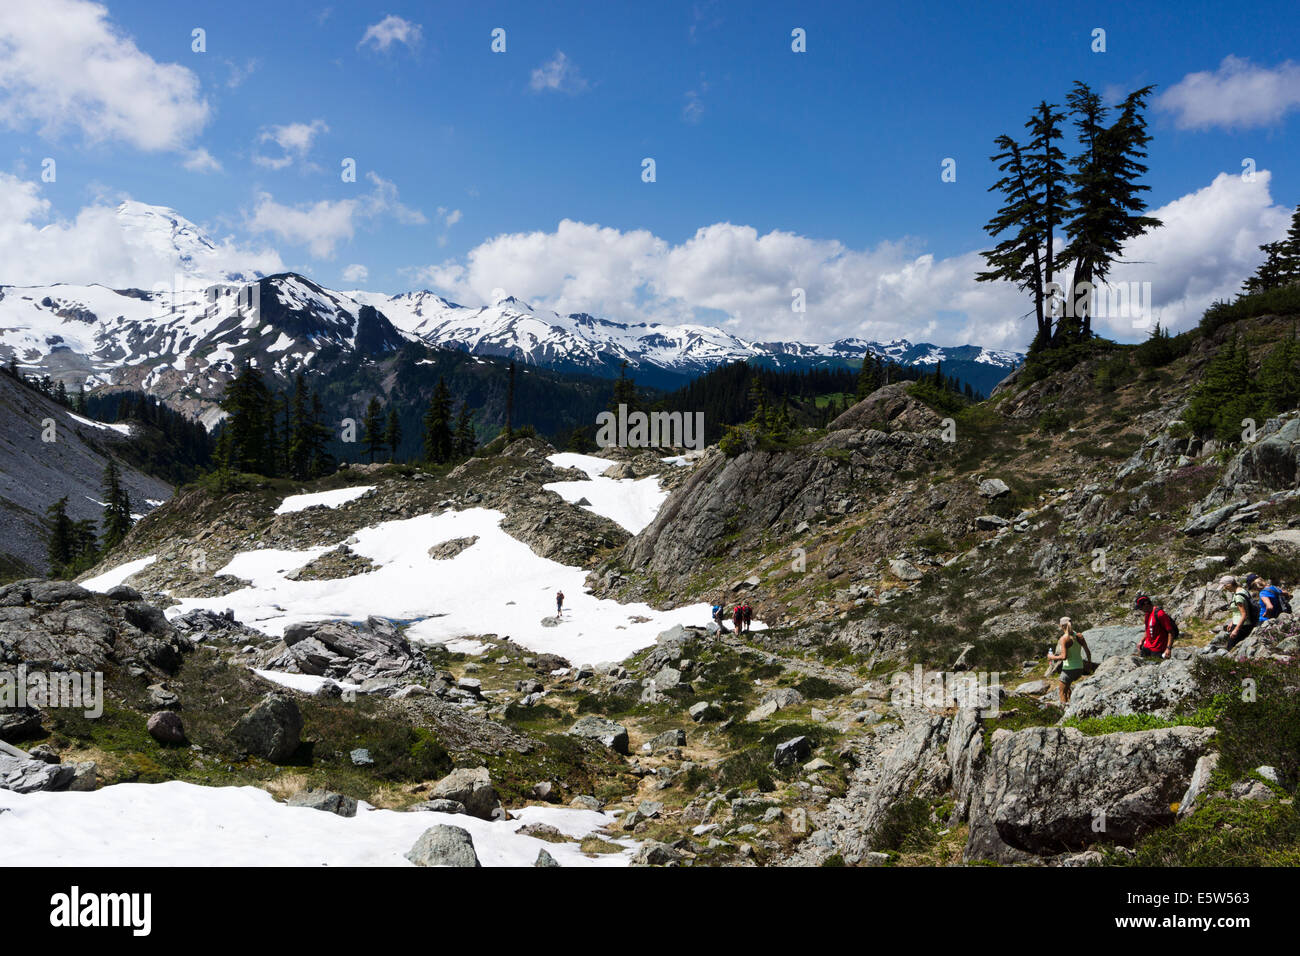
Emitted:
pixel 1238 95
pixel 392 29
pixel 64 65
pixel 293 139
pixel 731 274
pixel 201 161
pixel 356 273
pixel 322 225
pixel 97 246
pixel 557 75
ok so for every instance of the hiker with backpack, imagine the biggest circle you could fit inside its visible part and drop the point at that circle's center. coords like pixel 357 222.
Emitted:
pixel 1160 633
pixel 1244 614
pixel 1273 599
pixel 559 603
pixel 738 618
pixel 748 616
pixel 720 617
pixel 1070 650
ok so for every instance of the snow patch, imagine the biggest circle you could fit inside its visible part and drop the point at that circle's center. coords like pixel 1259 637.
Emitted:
pixel 330 499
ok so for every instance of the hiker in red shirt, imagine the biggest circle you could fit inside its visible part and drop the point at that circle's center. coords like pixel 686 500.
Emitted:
pixel 1160 631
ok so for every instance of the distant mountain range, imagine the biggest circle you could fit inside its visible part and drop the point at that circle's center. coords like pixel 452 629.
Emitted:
pixel 183 341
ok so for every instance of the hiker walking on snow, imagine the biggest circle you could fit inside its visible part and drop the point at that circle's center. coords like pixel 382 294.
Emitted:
pixel 749 615
pixel 1069 651
pixel 720 617
pixel 738 619
pixel 1244 614
pixel 559 603
pixel 1161 631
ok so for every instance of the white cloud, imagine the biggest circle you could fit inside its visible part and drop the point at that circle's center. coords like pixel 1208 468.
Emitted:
pixel 322 225
pixel 693 111
pixel 94 246
pixel 1238 95
pixel 294 139
pixel 1208 244
pixel 449 218
pixel 356 273
pixel 201 161
pixel 559 74
pixel 392 29
pixel 64 65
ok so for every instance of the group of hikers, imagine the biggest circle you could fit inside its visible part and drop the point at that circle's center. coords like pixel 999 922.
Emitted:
pixel 741 616
pixel 1253 601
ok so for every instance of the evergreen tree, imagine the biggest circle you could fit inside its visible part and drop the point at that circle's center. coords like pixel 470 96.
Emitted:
pixel 510 406
pixel 1279 383
pixel 60 540
pixel 392 434
pixel 438 436
pixel 624 391
pixel 1227 393
pixel 321 461
pixel 373 428
pixel 300 443
pixel 250 424
pixel 117 507
pixel 465 440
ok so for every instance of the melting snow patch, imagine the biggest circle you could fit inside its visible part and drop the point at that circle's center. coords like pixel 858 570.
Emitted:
pixel 121 825
pixel 330 499
pixel 631 503
pixel 306 683
pixel 499 586
pixel 111 579
pixel 121 429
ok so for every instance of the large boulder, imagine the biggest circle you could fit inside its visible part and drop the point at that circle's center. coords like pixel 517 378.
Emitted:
pixel 272 728
pixel 919 766
pixel 1124 685
pixel 24 775
pixel 612 735
pixel 444 846
pixel 1116 640
pixel 471 787
pixel 325 800
pixel 1050 790
pixel 166 727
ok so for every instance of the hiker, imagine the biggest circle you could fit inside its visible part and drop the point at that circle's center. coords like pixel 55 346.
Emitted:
pixel 1244 614
pixel 1160 633
pixel 559 603
pixel 720 617
pixel 749 615
pixel 1273 600
pixel 1069 651
pixel 738 618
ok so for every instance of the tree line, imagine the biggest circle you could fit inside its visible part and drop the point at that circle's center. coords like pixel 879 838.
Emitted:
pixel 74 546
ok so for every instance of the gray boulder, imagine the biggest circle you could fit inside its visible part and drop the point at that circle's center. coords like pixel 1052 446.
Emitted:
pixel 272 728
pixel 471 787
pixel 166 727
pixel 1050 790
pixel 612 735
pixel 993 488
pixel 792 751
pixel 23 775
pixel 444 845
pixel 545 859
pixel 325 800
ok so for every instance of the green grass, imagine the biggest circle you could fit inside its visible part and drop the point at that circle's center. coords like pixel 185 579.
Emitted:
pixel 1227 833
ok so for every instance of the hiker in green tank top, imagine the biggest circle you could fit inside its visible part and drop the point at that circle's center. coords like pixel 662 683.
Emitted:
pixel 1069 651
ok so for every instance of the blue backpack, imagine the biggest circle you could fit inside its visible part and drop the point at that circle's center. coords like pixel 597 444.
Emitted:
pixel 1277 598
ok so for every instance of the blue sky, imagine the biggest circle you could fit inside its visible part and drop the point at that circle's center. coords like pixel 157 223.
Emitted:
pixel 820 168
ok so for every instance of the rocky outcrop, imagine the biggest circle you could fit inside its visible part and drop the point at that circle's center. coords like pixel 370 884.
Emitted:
pixel 472 788
pixel 759 490
pixel 1123 685
pixel 62 626
pixel 375 651
pixel 1050 790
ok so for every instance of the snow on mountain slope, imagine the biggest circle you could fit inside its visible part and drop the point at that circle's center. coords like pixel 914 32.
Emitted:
pixel 183 338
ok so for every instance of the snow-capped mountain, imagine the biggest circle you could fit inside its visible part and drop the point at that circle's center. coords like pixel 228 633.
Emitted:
pixel 185 337
pixel 657 354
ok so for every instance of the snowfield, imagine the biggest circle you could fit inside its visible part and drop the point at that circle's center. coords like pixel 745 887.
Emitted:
pixel 496 586
pixel 330 499
pixel 111 579
pixel 183 824
pixel 631 503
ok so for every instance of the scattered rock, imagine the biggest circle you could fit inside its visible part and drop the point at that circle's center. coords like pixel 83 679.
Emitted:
pixel 444 845
pixel 272 728
pixel 325 800
pixel 166 727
